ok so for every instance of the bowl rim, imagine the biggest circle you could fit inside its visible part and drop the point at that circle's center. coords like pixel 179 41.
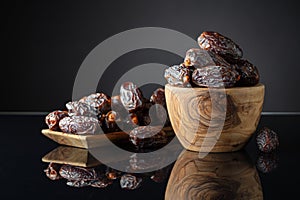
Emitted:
pixel 259 85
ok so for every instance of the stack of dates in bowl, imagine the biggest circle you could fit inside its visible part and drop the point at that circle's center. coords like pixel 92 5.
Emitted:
pixel 214 97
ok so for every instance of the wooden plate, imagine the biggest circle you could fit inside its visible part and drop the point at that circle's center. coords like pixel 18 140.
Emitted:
pixel 84 141
pixel 91 141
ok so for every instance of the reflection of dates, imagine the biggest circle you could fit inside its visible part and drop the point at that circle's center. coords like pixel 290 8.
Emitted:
pixel 77 173
pixel 129 181
pixel 99 101
pixel 76 108
pixel 79 125
pixel 215 76
pixel 161 175
pixel 178 75
pixel 248 72
pixel 53 118
pixel 219 44
pixel 148 136
pixel 267 162
pixel 131 96
pixel 52 171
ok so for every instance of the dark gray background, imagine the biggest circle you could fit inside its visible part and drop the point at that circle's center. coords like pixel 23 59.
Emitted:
pixel 45 43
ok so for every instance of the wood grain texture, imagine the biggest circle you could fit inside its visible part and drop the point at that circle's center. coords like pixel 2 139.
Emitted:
pixel 224 117
pixel 88 141
pixel 84 141
pixel 71 156
pixel 216 176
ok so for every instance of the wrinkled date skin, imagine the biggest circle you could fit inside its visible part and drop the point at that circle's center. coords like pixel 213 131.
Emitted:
pixel 131 97
pixel 79 125
pixel 130 182
pixel 52 171
pixel 74 173
pixel 219 44
pixel 148 136
pixel 99 101
pixel 267 162
pixel 267 140
pixel 215 76
pixel 198 58
pixel 248 72
pixel 76 108
pixel 178 75
pixel 53 118
pixel 158 97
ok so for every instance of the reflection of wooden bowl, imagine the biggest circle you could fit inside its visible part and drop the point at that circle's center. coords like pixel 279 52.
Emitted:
pixel 208 120
pixel 217 176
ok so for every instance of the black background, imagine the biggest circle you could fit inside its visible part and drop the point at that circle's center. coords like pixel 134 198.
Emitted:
pixel 45 42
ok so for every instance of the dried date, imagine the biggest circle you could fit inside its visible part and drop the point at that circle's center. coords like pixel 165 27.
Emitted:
pixel 248 72
pixel 198 58
pixel 178 75
pixel 158 97
pixel 131 97
pixel 52 171
pixel 53 118
pixel 130 182
pixel 76 108
pixel 215 76
pixel 99 101
pixel 79 125
pixel 267 140
pixel 74 173
pixel 267 162
pixel 148 136
pixel 219 44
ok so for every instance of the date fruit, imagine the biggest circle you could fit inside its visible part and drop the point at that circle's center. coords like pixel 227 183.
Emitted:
pixel 130 182
pixel 178 75
pixel 248 72
pixel 75 173
pixel 76 108
pixel 79 125
pixel 53 118
pixel 267 140
pixel 267 162
pixel 148 136
pixel 219 44
pixel 131 96
pixel 52 171
pixel 99 101
pixel 215 76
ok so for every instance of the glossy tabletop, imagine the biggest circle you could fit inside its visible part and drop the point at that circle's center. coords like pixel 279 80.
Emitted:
pixel 223 175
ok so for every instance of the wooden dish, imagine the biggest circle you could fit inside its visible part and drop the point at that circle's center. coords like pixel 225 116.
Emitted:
pixel 88 141
pixel 216 124
pixel 84 141
pixel 217 176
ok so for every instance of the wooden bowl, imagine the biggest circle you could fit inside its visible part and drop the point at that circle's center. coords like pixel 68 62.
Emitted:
pixel 216 176
pixel 214 120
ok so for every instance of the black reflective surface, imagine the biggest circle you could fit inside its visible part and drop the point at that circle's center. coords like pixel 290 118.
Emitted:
pixel 22 169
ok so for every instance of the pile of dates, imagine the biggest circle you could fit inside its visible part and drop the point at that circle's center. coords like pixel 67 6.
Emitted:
pixel 102 176
pixel 217 63
pixel 129 111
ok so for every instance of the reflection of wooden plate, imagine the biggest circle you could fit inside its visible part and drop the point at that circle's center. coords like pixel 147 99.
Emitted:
pixel 84 141
pixel 72 156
